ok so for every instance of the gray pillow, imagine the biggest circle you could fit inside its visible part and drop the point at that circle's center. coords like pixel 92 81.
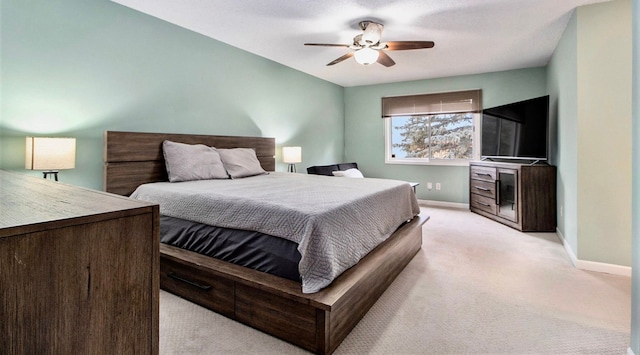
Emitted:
pixel 241 162
pixel 186 162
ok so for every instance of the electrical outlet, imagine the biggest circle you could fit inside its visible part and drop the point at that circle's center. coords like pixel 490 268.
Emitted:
pixel 438 186
pixel 561 210
pixel 429 186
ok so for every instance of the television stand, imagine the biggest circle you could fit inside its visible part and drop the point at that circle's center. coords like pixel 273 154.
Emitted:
pixel 522 196
pixel 523 161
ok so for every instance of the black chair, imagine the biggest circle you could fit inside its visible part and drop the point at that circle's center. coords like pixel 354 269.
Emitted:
pixel 329 169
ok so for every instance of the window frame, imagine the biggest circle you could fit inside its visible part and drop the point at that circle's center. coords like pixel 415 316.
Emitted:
pixel 428 161
pixel 462 101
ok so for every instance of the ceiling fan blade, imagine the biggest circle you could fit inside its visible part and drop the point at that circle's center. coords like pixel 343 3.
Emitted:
pixel 384 59
pixel 344 57
pixel 327 44
pixel 405 45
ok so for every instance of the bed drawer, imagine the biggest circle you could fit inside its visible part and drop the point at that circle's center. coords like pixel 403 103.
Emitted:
pixel 483 173
pixel 484 188
pixel 286 319
pixel 198 286
pixel 483 203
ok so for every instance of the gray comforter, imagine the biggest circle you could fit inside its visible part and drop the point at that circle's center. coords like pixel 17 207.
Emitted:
pixel 335 221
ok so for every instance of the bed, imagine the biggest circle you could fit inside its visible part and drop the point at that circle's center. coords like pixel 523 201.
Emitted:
pixel 316 321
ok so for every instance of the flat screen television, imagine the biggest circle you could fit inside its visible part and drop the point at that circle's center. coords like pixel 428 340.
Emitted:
pixel 519 130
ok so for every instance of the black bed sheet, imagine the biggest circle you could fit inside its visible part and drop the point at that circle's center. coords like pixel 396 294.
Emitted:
pixel 250 249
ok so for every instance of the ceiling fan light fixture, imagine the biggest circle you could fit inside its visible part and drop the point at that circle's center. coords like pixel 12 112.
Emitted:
pixel 367 48
pixel 371 32
pixel 366 56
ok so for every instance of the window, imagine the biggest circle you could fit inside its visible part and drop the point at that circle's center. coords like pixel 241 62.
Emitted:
pixel 438 129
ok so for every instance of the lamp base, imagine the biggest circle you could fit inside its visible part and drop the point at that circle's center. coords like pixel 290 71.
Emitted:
pixel 292 168
pixel 45 174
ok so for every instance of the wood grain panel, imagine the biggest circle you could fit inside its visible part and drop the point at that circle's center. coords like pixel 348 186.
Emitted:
pixel 483 173
pixel 198 286
pixel 483 188
pixel 374 275
pixel 291 321
pixel 484 203
pixel 238 274
pixel 124 178
pixel 535 199
pixel 135 158
pixel 79 270
pixel 28 202
pixel 139 146
pixel 538 188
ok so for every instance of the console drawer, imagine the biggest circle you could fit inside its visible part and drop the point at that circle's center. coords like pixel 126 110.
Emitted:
pixel 483 173
pixel 484 188
pixel 483 203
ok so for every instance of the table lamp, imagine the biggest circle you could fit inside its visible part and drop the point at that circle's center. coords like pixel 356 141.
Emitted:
pixel 50 154
pixel 292 155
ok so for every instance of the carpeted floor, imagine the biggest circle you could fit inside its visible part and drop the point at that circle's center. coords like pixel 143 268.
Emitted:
pixel 476 287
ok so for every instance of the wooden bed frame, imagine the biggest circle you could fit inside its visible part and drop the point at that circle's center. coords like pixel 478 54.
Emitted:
pixel 317 322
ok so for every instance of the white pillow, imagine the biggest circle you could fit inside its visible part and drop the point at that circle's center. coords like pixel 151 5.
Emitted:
pixel 241 162
pixel 186 162
pixel 350 173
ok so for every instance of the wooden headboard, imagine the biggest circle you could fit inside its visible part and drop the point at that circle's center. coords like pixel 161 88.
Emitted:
pixel 135 158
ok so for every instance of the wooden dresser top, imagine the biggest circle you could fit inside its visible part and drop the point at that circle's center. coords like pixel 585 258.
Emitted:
pixel 28 204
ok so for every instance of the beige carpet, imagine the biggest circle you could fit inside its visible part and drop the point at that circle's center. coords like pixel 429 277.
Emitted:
pixel 476 287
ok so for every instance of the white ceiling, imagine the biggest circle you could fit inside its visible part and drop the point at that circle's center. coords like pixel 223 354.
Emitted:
pixel 471 36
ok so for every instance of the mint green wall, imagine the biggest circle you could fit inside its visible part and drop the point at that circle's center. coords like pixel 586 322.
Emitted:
pixel 590 85
pixel 635 296
pixel 364 129
pixel 562 79
pixel 604 132
pixel 77 68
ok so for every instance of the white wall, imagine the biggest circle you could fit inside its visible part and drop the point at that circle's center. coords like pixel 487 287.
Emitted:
pixel 604 132
pixel 635 296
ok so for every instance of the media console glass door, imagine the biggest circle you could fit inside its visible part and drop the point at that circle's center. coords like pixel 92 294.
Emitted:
pixel 507 196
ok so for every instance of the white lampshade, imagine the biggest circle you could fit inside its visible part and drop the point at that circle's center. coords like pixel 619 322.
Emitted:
pixel 291 155
pixel 366 56
pixel 46 153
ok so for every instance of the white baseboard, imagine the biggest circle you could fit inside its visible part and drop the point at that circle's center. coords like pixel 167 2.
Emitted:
pixel 604 267
pixel 567 248
pixel 593 265
pixel 630 352
pixel 462 206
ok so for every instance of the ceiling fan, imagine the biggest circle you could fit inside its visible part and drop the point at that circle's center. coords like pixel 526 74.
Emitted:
pixel 368 49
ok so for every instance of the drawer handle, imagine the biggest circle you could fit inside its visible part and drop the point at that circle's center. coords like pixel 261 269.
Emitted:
pixel 484 204
pixel 192 283
pixel 483 174
pixel 482 188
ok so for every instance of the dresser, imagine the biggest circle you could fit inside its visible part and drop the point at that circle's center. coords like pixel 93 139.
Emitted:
pixel 79 270
pixel 522 196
